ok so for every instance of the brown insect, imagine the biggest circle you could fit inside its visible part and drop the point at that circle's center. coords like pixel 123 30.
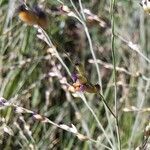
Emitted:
pixel 81 82
pixel 35 16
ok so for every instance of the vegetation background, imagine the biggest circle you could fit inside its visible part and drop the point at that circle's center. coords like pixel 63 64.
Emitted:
pixel 34 81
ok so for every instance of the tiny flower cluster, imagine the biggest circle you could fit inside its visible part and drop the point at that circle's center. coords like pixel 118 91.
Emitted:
pixel 20 110
pixel 80 82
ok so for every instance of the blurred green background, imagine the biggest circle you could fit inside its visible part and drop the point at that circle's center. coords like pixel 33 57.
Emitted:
pixel 37 81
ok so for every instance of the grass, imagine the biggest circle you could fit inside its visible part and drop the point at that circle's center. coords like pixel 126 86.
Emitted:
pixel 36 109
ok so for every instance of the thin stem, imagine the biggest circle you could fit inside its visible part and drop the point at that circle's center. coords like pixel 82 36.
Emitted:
pixel 133 47
pixel 137 118
pixel 49 42
pixel 114 70
pixel 102 98
pixel 80 19
pixel 76 10
pixel 94 115
pixel 82 10
pixel 93 55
